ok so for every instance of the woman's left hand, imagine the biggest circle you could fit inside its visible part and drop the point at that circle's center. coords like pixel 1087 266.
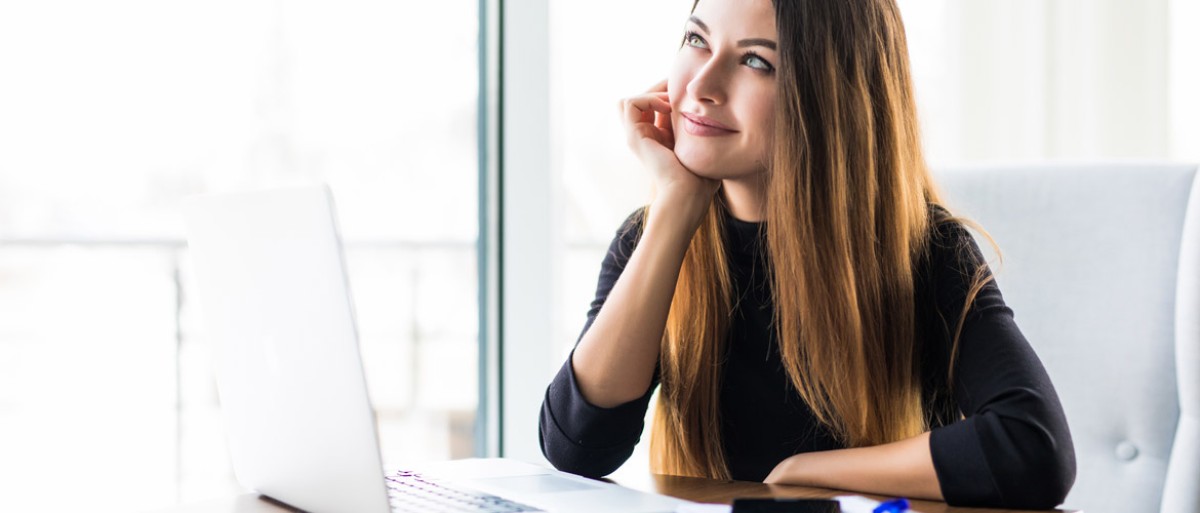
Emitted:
pixel 787 471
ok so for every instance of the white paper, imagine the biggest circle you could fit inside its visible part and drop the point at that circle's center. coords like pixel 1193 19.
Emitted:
pixel 856 504
pixel 697 507
pixel 849 504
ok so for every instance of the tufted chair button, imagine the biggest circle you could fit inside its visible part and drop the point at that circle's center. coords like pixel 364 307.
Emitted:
pixel 1127 451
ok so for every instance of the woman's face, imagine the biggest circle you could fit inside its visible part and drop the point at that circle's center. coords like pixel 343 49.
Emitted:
pixel 724 74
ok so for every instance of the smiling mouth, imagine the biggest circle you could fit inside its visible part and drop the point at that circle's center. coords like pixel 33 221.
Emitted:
pixel 699 129
pixel 706 122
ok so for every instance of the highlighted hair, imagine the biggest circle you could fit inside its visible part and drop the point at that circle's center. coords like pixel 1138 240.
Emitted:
pixel 848 217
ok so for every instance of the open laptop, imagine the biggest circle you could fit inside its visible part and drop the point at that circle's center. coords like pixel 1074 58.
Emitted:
pixel 273 290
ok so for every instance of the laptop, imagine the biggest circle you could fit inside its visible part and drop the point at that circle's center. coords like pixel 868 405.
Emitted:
pixel 272 286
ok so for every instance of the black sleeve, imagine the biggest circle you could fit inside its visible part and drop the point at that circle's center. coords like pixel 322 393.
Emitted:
pixel 577 436
pixel 1013 448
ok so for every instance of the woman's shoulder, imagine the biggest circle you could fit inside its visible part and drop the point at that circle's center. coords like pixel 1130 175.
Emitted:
pixel 949 236
pixel 951 256
pixel 945 227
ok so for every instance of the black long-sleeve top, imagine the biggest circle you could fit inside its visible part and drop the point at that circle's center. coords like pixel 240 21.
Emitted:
pixel 1009 448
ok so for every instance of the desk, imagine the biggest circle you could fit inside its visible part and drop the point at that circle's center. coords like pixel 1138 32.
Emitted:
pixel 690 488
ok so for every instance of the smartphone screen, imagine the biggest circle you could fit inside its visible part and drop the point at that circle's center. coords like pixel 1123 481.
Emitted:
pixel 785 506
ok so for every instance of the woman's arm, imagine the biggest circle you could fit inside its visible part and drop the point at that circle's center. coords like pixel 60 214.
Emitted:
pixel 614 361
pixel 591 430
pixel 576 435
pixel 898 469
pixel 593 412
pixel 1013 449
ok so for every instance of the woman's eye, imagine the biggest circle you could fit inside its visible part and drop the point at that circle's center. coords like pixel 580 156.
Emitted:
pixel 759 63
pixel 751 59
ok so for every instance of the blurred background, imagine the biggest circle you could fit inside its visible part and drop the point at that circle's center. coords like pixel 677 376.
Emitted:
pixel 111 112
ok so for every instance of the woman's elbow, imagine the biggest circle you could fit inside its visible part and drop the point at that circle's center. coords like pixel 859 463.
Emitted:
pixel 583 462
pixel 566 455
pixel 1053 489
pixel 1043 478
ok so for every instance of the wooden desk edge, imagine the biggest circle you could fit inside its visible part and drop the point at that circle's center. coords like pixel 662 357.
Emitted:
pixel 687 488
pixel 723 492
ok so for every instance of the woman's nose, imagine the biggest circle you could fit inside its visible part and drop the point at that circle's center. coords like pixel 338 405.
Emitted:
pixel 707 85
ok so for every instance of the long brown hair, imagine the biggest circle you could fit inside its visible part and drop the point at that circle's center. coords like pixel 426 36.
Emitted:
pixel 848 216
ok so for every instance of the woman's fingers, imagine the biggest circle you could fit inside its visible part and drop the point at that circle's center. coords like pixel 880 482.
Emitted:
pixel 647 120
pixel 639 116
pixel 663 124
pixel 664 120
pixel 645 105
pixel 641 109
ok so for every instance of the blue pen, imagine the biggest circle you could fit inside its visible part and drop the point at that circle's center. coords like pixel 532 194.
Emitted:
pixel 893 506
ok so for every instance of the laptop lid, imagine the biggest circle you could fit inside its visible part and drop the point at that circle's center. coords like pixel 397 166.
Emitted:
pixel 276 306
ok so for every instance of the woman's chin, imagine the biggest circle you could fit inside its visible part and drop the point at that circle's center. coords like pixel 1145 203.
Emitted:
pixel 707 166
pixel 703 166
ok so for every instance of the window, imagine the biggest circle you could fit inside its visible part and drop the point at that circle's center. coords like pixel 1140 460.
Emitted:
pixel 110 113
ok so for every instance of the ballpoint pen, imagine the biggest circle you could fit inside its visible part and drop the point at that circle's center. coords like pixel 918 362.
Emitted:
pixel 893 506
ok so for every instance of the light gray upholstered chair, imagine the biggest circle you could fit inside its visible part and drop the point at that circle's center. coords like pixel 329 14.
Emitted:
pixel 1102 270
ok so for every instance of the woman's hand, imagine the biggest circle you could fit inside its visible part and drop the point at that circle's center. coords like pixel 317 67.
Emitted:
pixel 786 471
pixel 647 119
pixel 900 469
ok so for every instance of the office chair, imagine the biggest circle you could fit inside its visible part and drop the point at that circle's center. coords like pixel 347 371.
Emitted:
pixel 1102 270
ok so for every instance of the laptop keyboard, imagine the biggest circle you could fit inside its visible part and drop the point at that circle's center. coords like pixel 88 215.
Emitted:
pixel 410 492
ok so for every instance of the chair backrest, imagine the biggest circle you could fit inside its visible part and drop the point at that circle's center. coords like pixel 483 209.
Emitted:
pixel 1102 270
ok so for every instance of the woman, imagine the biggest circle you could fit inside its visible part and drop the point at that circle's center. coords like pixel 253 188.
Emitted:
pixel 812 314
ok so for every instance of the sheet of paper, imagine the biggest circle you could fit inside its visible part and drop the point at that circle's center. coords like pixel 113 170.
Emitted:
pixel 849 504
pixel 697 507
pixel 855 504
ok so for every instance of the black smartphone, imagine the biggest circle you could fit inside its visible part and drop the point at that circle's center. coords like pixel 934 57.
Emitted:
pixel 785 506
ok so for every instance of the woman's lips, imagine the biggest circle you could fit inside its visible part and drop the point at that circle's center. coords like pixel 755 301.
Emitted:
pixel 696 125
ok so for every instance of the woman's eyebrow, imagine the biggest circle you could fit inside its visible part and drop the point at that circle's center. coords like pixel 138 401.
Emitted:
pixel 741 44
pixel 697 21
pixel 756 42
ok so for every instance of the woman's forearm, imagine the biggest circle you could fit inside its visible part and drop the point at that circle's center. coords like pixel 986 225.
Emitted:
pixel 614 361
pixel 898 469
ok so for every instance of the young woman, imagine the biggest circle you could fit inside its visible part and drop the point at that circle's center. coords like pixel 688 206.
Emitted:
pixel 811 313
